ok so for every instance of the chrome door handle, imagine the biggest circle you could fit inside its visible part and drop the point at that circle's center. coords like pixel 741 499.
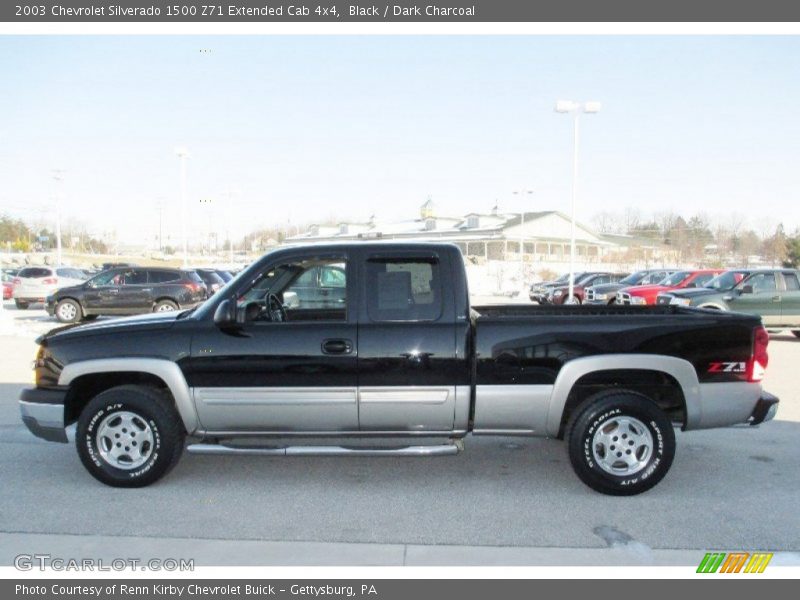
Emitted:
pixel 776 298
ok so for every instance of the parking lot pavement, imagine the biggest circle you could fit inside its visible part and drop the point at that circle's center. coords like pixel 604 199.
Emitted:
pixel 502 501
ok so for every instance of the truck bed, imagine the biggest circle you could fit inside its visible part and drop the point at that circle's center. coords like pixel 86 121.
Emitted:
pixel 515 311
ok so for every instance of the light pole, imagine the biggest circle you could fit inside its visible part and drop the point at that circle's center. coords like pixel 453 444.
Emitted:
pixel 522 193
pixel 575 109
pixel 58 176
pixel 228 212
pixel 183 154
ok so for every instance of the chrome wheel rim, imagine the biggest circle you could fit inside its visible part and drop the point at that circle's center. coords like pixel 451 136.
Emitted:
pixel 164 308
pixel 622 446
pixel 67 311
pixel 125 440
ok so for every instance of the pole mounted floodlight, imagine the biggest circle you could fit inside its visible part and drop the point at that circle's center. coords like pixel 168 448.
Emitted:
pixel 575 109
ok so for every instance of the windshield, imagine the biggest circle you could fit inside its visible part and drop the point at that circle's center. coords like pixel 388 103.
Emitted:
pixel 675 278
pixel 726 281
pixel 633 278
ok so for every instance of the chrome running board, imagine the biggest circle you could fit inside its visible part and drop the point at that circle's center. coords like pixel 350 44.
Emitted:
pixel 432 450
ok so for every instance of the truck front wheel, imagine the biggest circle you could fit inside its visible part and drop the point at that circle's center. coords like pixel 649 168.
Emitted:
pixel 130 436
pixel 620 442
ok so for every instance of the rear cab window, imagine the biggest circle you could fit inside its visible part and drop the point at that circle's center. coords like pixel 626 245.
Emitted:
pixel 792 282
pixel 403 289
pixel 35 273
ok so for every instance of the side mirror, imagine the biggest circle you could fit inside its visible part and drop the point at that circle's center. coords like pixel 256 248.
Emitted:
pixel 747 289
pixel 225 315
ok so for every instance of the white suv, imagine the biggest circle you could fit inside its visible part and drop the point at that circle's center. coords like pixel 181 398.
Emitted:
pixel 34 284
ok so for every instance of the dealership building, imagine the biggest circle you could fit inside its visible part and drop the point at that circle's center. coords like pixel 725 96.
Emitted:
pixel 543 236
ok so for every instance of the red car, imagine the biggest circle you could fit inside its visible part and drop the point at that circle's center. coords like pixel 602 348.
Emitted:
pixel 647 294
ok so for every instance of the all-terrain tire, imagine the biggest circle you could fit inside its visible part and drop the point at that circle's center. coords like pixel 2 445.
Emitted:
pixel 114 428
pixel 620 442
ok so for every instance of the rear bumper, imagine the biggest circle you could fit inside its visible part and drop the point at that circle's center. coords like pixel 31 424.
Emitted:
pixel 765 409
pixel 42 411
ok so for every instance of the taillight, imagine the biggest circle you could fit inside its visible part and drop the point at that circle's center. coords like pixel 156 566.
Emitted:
pixel 50 281
pixel 757 365
pixel 192 287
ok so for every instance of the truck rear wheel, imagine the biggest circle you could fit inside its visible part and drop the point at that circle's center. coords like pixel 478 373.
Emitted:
pixel 796 332
pixel 129 436
pixel 620 442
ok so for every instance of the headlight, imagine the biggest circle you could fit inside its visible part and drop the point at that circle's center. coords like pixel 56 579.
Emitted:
pixel 680 301
pixel 600 296
pixel 558 293
pixel 638 300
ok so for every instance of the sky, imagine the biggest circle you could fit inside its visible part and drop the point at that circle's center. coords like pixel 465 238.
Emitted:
pixel 308 128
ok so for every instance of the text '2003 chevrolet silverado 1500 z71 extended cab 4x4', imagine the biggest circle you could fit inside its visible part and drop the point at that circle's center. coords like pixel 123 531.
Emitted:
pixel 390 351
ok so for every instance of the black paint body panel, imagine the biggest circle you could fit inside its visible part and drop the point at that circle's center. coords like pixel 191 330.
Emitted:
pixel 503 345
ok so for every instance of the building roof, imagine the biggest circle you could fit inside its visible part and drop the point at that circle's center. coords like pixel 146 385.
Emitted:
pixel 471 226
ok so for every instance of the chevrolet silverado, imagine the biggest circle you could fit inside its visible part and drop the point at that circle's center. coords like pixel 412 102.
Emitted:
pixel 386 354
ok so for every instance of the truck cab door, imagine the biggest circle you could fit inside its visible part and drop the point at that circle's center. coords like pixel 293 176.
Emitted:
pixel 279 376
pixel 408 365
pixel 758 295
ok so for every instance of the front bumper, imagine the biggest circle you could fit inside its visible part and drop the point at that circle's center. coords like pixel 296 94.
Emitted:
pixel 42 411
pixel 765 409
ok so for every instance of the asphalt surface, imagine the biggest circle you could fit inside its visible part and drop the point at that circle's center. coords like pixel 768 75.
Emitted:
pixel 729 489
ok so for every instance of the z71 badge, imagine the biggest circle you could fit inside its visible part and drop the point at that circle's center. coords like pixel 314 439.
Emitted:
pixel 727 367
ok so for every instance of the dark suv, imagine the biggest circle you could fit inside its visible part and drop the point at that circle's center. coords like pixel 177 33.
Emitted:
pixel 127 291
pixel 560 295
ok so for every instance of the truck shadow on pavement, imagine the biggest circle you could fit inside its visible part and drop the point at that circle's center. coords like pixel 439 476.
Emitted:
pixel 499 491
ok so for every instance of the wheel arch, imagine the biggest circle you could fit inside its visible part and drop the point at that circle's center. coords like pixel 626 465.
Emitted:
pixel 712 306
pixel 673 379
pixel 86 379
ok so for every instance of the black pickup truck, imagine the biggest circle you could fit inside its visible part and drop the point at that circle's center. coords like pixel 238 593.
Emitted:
pixel 386 354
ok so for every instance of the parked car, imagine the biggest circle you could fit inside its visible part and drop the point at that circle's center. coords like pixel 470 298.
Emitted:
pixel 772 294
pixel 211 280
pixel 607 293
pixel 404 356
pixel 560 295
pixel 114 265
pixel 697 296
pixel 539 291
pixel 128 291
pixel 8 287
pixel 226 275
pixel 647 294
pixel 34 284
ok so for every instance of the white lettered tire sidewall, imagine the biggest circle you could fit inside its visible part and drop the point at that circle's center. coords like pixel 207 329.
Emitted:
pixel 90 442
pixel 598 411
pixel 151 406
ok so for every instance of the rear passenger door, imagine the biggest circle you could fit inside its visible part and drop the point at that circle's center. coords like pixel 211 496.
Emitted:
pixel 790 302
pixel 134 294
pixel 407 362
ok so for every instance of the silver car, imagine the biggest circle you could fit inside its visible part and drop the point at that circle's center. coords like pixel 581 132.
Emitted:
pixel 34 284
